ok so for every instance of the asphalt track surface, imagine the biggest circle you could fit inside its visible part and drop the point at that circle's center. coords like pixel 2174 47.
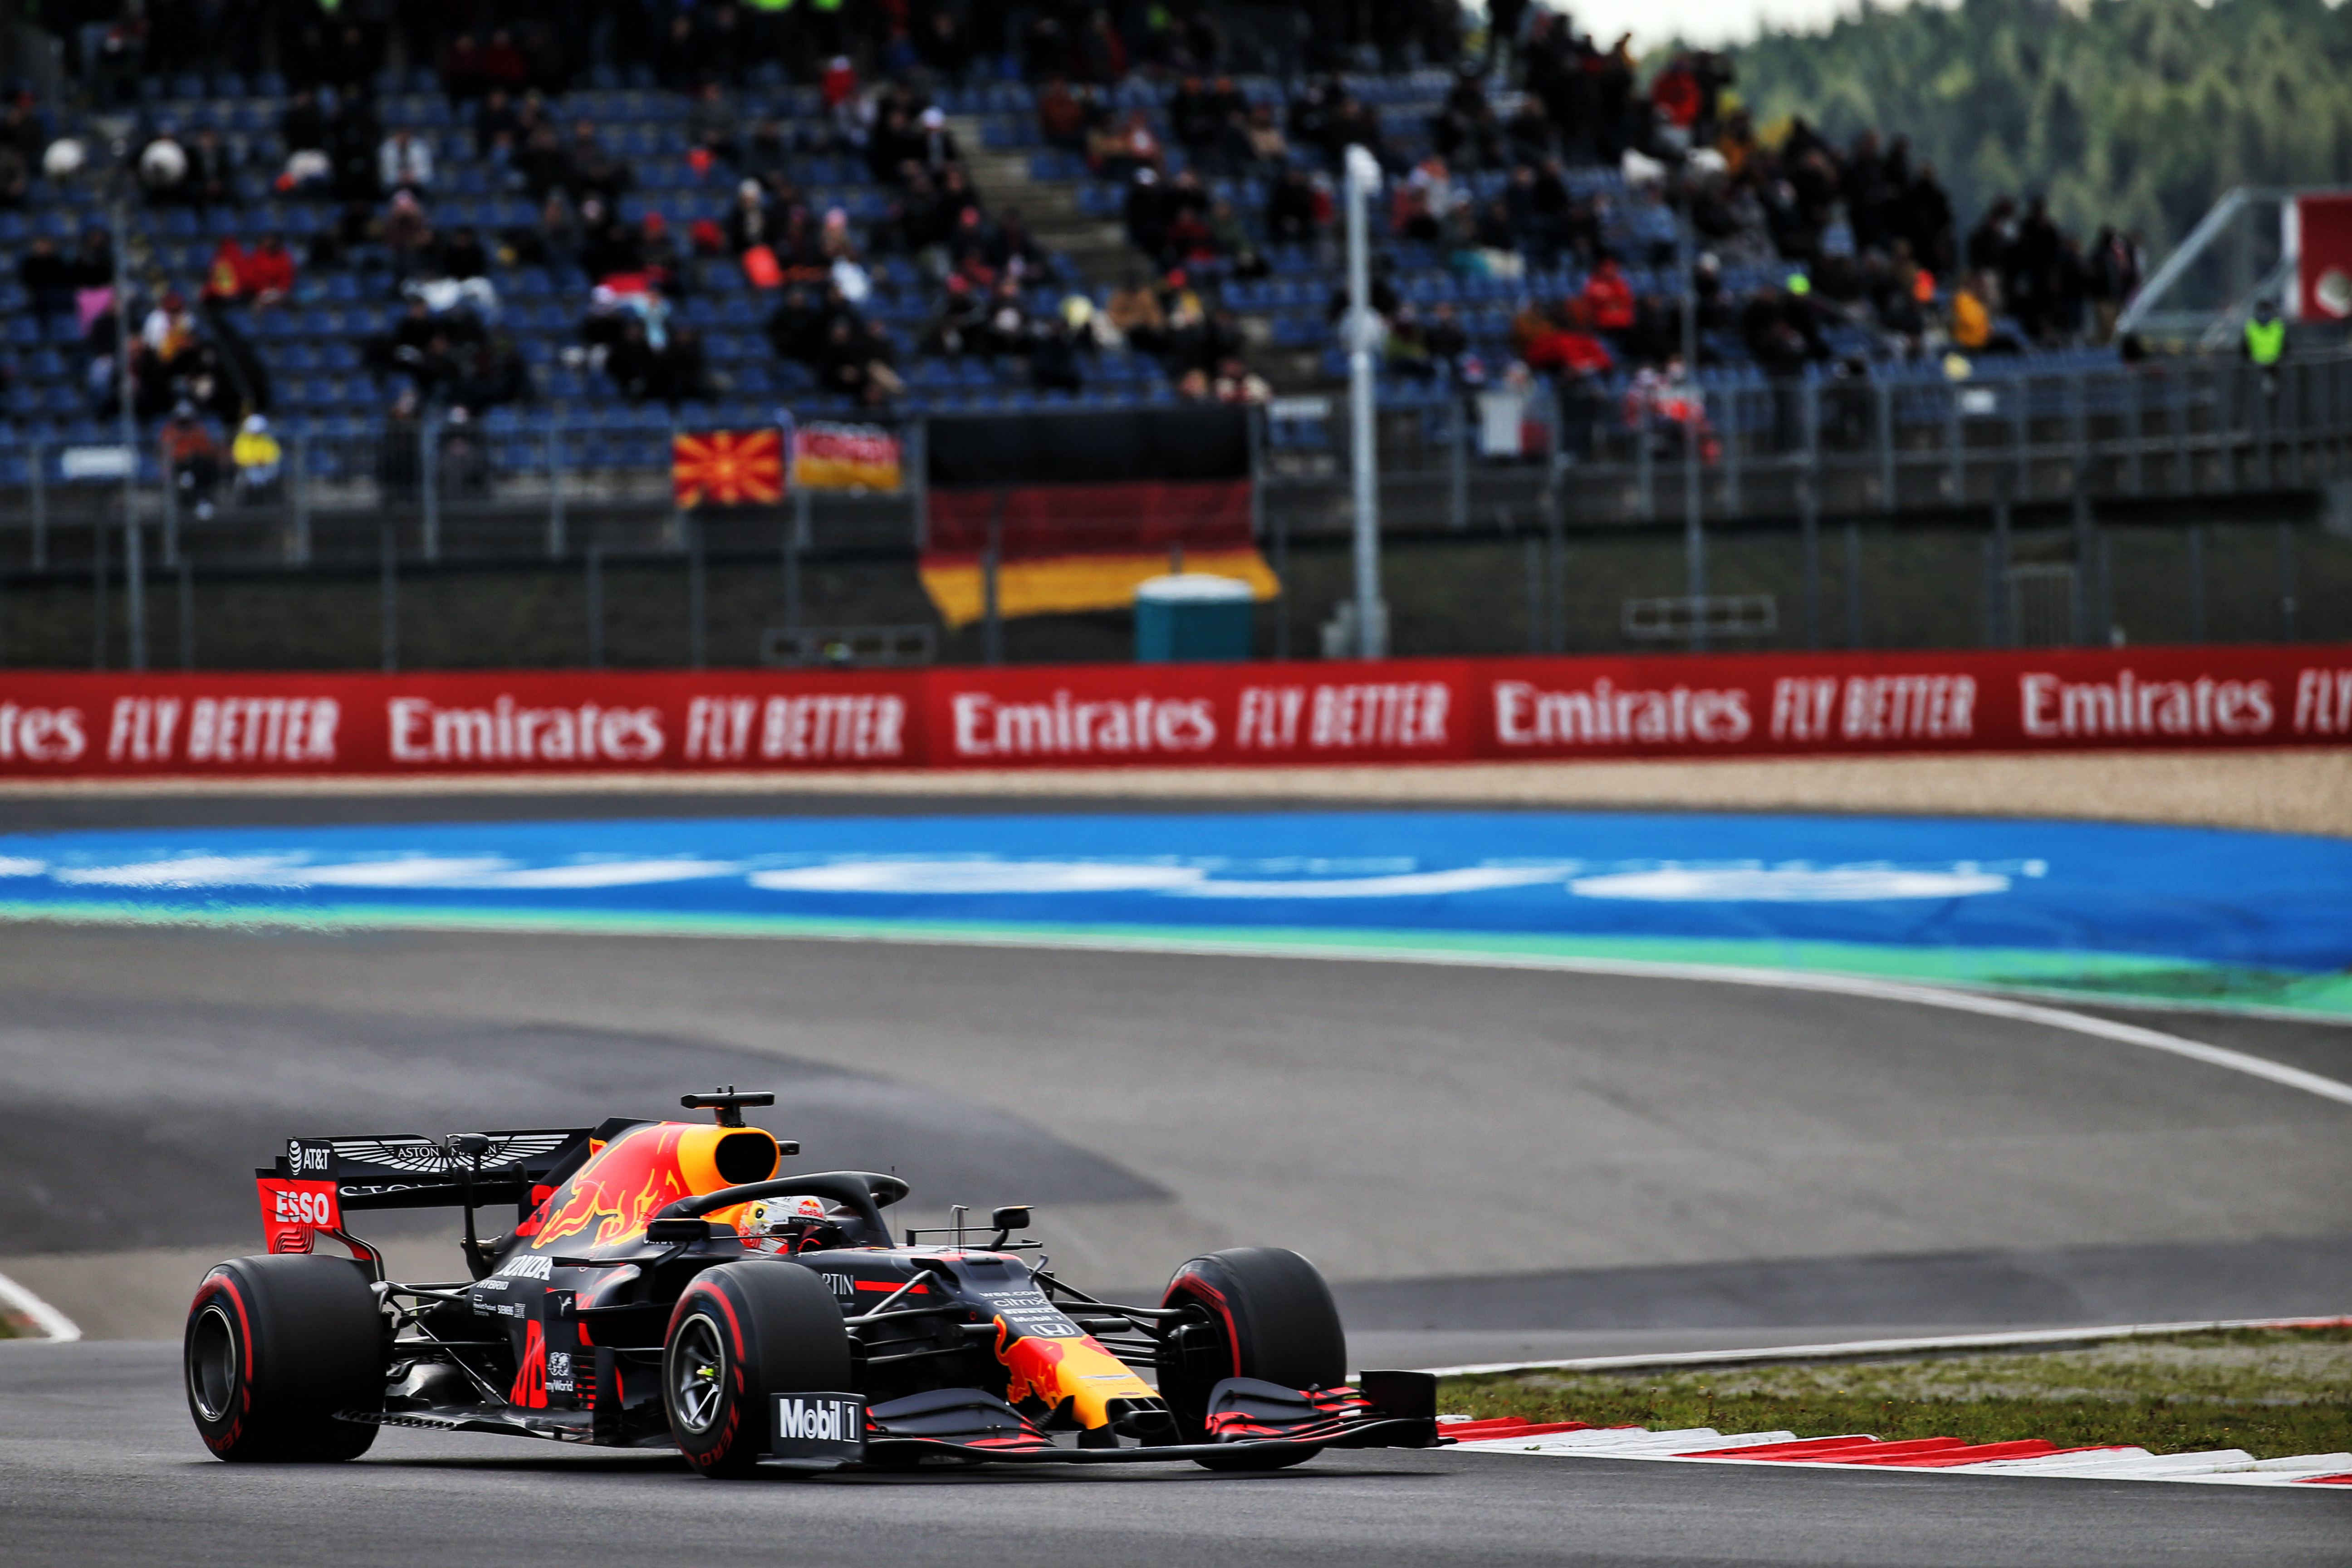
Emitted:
pixel 100 1466
pixel 1491 1163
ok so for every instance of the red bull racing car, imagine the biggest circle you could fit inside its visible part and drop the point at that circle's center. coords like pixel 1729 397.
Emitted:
pixel 664 1286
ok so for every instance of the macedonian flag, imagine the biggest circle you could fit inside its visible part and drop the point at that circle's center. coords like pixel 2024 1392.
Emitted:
pixel 727 468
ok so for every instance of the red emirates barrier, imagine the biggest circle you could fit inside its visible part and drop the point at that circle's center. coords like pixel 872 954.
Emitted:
pixel 260 726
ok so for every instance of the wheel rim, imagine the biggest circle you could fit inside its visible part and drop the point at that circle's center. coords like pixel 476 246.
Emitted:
pixel 212 1362
pixel 697 1363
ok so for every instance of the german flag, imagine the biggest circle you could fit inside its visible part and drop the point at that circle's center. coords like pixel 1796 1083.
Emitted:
pixel 727 468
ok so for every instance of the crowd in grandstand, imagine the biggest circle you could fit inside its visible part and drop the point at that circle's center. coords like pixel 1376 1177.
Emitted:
pixel 1548 171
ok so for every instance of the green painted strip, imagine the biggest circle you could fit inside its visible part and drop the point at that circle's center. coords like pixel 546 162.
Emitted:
pixel 2077 976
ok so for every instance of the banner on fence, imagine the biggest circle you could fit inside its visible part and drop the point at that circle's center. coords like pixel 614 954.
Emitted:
pixel 1741 705
pixel 845 457
pixel 727 468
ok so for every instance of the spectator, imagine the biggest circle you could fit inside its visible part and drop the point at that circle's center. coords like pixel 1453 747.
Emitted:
pixel 16 175
pixel 596 171
pixel 749 221
pixel 225 279
pixel 496 121
pixel 1291 217
pixel 1134 310
pixel 943 47
pixel 259 460
pixel 303 125
pixel 767 155
pixel 407 233
pixel 404 162
pixel 464 256
pixel 269 273
pixel 192 459
pixel 212 172
pixel 1053 358
pixel 1235 382
pixel 1263 138
pixel 544 166
pixel 49 279
pixel 1609 298
pixel 935 147
pixel 1133 147
pixel 711 126
pixel 1061 116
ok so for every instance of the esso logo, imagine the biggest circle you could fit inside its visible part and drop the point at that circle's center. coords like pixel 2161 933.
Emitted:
pixel 305 1208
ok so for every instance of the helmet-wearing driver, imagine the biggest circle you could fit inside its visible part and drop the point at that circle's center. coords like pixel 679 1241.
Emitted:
pixel 796 1224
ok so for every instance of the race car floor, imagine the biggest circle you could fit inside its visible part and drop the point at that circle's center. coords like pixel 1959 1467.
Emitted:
pixel 99 1465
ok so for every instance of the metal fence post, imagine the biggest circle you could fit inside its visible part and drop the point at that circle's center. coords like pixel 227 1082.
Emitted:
pixel 388 595
pixel 1555 523
pixel 1644 464
pixel 1733 505
pixel 556 542
pixel 99 628
pixel 187 614
pixel 991 627
pixel 696 594
pixel 595 584
pixel 1886 413
pixel 2286 581
pixel 40 498
pixel 1694 535
pixel 2004 631
pixel 2087 631
pixel 2196 581
pixel 1955 482
pixel 134 592
pixel 1852 585
pixel 1531 552
pixel 300 545
pixel 796 538
pixel 1458 461
pixel 428 468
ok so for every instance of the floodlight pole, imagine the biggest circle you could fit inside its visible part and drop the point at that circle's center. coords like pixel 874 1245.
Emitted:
pixel 1363 179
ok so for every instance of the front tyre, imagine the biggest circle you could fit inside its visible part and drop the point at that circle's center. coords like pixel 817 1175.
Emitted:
pixel 1257 1311
pixel 274 1346
pixel 742 1333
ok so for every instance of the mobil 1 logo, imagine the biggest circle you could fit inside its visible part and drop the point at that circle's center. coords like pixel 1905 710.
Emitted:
pixel 827 1429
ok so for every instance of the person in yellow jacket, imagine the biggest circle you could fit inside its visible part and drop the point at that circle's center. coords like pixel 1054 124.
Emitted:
pixel 258 458
pixel 1971 319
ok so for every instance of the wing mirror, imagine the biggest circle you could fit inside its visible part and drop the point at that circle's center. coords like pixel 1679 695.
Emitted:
pixel 1008 1219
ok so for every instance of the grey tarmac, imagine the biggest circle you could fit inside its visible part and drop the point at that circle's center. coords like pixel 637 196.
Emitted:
pixel 100 1468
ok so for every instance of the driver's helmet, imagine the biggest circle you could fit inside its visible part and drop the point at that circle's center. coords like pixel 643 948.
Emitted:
pixel 797 1223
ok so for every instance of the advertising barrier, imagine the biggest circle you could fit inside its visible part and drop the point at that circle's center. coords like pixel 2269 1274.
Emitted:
pixel 1401 711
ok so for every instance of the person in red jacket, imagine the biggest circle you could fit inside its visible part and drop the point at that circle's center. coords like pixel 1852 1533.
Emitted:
pixel 1609 299
pixel 269 273
pixel 1677 95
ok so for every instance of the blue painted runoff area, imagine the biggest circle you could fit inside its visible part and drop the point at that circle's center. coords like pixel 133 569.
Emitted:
pixel 2245 901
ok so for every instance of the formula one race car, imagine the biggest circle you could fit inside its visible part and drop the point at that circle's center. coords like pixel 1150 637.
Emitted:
pixel 663 1285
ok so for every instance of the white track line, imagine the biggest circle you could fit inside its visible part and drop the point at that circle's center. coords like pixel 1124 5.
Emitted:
pixel 1858 1348
pixel 54 1325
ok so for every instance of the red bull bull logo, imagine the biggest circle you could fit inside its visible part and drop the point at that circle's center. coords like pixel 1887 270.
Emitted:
pixel 617 1192
pixel 1078 1370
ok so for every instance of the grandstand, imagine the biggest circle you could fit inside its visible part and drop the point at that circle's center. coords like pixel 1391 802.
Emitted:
pixel 1460 310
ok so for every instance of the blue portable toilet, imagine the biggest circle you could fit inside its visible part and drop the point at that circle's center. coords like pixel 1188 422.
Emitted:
pixel 1187 615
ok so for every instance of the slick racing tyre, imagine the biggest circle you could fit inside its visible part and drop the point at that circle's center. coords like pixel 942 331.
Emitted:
pixel 277 1345
pixel 1258 1311
pixel 740 1334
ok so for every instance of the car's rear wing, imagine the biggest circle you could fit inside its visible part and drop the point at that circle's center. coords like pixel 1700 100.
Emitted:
pixel 317 1179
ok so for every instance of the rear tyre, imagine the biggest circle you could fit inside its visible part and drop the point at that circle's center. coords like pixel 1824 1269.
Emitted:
pixel 1259 1311
pixel 740 1334
pixel 274 1346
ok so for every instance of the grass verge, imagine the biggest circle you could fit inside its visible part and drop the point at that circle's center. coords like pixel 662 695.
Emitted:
pixel 2271 1393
